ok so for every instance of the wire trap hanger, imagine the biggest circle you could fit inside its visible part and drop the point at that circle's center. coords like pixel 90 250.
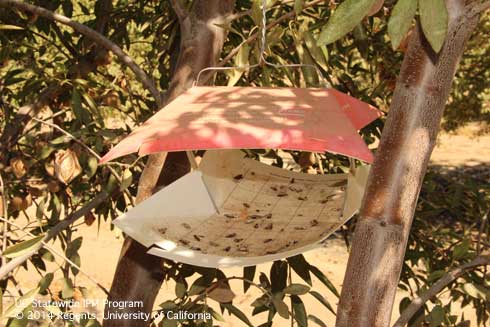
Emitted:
pixel 219 117
pixel 262 59
pixel 234 211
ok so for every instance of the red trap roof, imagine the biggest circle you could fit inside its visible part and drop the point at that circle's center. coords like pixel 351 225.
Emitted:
pixel 204 118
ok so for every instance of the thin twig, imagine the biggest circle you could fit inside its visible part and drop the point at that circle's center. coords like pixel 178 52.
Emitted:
pixel 62 256
pixel 29 128
pixel 95 154
pixel 260 287
pixel 247 12
pixel 60 49
pixel 16 286
pixel 95 36
pixel 4 213
pixel 86 147
pixel 254 36
pixel 62 225
pixel 480 232
pixel 438 286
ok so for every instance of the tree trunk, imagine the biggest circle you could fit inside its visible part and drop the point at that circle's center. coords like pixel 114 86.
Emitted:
pixel 139 275
pixel 395 180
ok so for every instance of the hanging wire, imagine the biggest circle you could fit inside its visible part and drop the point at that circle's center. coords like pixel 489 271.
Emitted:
pixel 262 58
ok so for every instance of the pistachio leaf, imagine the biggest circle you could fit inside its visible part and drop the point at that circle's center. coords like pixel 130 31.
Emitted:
pixel 378 4
pixel 299 311
pixel 281 307
pixel 301 267
pixel 215 314
pixel 168 305
pixel 22 247
pixel 241 60
pixel 91 166
pixel 316 320
pixel 198 286
pixel 477 291
pixel 45 282
pixel 324 279
pixel 248 274
pixel 436 316
pixel 298 6
pixel 180 288
pixel 401 21
pixel 314 50
pixel 10 27
pixel 21 303
pixel 297 289
pixel 237 313
pixel 434 20
pixel 322 300
pixel 67 291
pixel 347 15
pixel 221 294
pixel 127 179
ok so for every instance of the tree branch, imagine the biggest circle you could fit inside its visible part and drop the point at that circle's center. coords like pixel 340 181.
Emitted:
pixel 3 212
pixel 183 17
pixel 23 115
pixel 480 8
pixel 139 275
pixel 396 176
pixel 179 10
pixel 14 263
pixel 61 255
pixel 438 286
pixel 254 36
pixel 95 36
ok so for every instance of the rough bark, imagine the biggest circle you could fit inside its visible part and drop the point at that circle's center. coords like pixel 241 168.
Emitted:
pixel 395 180
pixel 138 275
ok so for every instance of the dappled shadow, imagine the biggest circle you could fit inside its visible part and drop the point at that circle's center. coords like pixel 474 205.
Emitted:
pixel 233 118
pixel 477 172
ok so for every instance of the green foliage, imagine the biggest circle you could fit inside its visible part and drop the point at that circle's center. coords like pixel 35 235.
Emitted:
pixel 470 98
pixel 434 20
pixel 445 235
pixel 348 14
pixel 401 21
pixel 20 248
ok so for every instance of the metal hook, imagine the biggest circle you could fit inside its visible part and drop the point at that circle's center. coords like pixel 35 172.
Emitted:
pixel 262 59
